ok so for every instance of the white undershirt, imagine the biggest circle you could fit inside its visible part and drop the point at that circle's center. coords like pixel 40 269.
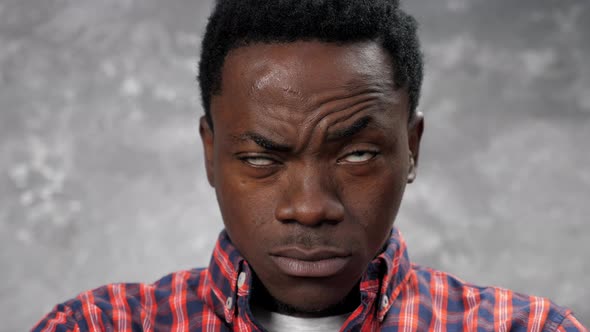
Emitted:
pixel 274 322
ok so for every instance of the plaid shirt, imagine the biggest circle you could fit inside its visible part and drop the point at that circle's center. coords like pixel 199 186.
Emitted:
pixel 395 296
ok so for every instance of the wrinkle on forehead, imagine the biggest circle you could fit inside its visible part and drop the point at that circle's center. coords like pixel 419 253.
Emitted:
pixel 339 110
pixel 305 119
pixel 309 126
pixel 301 89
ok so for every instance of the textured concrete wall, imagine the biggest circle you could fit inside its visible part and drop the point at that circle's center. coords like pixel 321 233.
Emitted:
pixel 101 175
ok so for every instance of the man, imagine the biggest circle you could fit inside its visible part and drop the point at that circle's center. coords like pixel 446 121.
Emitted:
pixel 310 134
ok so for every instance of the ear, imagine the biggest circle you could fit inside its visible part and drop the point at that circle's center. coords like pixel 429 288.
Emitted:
pixel 208 148
pixel 415 130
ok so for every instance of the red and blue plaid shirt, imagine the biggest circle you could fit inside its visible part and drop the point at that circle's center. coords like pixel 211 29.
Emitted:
pixel 395 296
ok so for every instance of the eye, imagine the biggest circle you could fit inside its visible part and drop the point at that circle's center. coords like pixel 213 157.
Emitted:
pixel 258 161
pixel 358 157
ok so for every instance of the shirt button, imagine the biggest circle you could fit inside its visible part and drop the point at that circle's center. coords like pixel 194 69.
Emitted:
pixel 241 279
pixel 384 302
pixel 229 303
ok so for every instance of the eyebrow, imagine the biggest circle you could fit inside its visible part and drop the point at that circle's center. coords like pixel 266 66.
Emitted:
pixel 351 130
pixel 264 142
pixel 268 144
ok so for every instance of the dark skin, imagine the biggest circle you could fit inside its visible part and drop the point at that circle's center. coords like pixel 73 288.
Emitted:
pixel 311 150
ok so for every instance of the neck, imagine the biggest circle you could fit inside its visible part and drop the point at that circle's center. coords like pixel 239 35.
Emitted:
pixel 263 299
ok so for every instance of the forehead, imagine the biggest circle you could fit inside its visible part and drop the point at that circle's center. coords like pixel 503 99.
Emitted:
pixel 301 89
pixel 305 68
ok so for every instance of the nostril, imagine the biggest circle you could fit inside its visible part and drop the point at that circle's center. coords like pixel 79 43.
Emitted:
pixel 311 211
pixel 310 198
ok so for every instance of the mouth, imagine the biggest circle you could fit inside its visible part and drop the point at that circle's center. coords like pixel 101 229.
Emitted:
pixel 316 263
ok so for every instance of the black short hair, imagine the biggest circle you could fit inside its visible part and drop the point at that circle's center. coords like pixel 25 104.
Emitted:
pixel 238 23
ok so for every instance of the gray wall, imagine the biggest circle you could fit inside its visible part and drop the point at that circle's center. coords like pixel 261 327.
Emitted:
pixel 101 175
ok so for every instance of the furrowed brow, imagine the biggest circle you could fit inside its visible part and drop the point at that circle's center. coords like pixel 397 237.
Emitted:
pixel 264 142
pixel 350 131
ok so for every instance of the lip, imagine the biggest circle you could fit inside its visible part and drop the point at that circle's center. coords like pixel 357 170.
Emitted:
pixel 316 263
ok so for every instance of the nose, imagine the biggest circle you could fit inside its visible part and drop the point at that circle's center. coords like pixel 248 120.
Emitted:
pixel 310 199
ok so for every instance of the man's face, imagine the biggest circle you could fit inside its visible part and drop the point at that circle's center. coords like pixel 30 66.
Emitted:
pixel 309 157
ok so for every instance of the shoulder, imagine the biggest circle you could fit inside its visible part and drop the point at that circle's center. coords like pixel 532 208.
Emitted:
pixel 488 307
pixel 127 304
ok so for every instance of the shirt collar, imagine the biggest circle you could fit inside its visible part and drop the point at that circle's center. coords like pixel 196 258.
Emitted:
pixel 229 278
pixel 387 274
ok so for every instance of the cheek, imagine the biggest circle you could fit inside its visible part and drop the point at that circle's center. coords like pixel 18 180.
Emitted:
pixel 373 201
pixel 244 206
pixel 380 212
pixel 240 214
